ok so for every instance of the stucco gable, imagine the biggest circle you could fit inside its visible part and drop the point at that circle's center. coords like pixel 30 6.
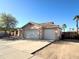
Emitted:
pixel 32 25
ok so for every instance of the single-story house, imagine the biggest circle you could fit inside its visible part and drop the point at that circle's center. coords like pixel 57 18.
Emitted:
pixel 48 31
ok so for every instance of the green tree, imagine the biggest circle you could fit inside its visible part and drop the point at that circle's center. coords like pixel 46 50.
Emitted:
pixel 64 26
pixel 7 21
pixel 76 18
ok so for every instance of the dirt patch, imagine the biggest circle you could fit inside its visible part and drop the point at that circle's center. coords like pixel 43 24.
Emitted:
pixel 60 50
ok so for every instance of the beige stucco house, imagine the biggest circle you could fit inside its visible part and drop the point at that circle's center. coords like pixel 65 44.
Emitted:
pixel 48 31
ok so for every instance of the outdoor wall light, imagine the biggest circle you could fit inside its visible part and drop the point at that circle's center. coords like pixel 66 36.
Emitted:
pixel 56 31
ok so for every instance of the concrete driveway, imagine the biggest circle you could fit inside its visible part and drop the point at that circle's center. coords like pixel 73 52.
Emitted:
pixel 20 49
pixel 28 45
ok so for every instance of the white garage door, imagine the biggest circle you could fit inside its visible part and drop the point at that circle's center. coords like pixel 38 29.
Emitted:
pixel 34 34
pixel 49 34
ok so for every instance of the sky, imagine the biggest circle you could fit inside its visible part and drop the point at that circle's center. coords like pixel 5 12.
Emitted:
pixel 57 11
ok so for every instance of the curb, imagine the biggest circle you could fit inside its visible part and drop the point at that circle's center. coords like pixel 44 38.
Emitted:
pixel 42 47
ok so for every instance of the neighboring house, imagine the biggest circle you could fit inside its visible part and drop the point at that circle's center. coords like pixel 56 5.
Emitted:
pixel 16 32
pixel 11 32
pixel 48 31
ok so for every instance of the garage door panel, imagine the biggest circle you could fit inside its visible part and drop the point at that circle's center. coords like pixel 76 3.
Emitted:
pixel 34 34
pixel 49 34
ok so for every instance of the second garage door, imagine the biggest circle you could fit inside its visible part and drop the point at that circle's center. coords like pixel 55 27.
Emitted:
pixel 33 34
pixel 49 34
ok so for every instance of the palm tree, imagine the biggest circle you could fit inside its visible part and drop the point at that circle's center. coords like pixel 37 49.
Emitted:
pixel 77 19
pixel 72 29
pixel 64 26
pixel 7 21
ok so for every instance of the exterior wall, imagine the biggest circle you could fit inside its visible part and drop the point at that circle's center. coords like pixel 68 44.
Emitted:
pixel 32 27
pixel 41 31
pixel 25 29
pixel 58 33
